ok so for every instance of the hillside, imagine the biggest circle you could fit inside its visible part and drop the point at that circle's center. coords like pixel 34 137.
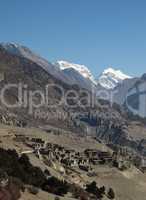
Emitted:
pixel 79 115
pixel 126 184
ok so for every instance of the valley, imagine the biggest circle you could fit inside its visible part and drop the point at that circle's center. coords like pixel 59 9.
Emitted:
pixel 63 146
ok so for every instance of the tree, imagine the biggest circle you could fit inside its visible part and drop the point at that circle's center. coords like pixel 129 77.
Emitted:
pixel 24 160
pixel 102 190
pixel 111 194
pixel 93 189
pixel 56 186
pixel 21 168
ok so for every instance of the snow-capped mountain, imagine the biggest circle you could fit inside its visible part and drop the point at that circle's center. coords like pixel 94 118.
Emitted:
pixel 114 82
pixel 81 69
pixel 111 78
pixel 65 71
pixel 68 72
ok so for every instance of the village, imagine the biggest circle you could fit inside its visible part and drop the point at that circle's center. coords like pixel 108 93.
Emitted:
pixel 51 153
pixel 77 160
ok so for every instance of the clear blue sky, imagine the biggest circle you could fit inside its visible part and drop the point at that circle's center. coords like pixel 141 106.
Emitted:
pixel 97 33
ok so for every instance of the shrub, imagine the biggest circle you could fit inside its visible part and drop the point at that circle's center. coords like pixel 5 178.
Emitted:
pixel 111 194
pixel 18 183
pixel 102 190
pixel 78 192
pixel 47 172
pixel 21 168
pixel 33 190
pixel 13 189
pixel 56 198
pixel 93 189
pixel 56 186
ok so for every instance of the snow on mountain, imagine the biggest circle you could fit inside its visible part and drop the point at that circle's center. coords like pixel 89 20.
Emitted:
pixel 81 69
pixel 68 72
pixel 110 78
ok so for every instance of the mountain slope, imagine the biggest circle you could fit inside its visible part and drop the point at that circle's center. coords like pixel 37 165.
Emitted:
pixel 24 52
pixel 16 70
pixel 103 120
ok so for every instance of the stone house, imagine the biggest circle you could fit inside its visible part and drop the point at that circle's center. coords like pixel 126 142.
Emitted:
pixel 142 147
pixel 21 138
pixel 105 155
pixel 70 153
pixel 84 161
pixel 91 153
pixel 74 162
pixel 38 143
pixel 143 165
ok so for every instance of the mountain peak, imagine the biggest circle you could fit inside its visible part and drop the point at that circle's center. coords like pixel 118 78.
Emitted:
pixel 22 51
pixel 81 69
pixel 116 73
pixel 110 78
pixel 17 49
pixel 65 65
pixel 10 44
